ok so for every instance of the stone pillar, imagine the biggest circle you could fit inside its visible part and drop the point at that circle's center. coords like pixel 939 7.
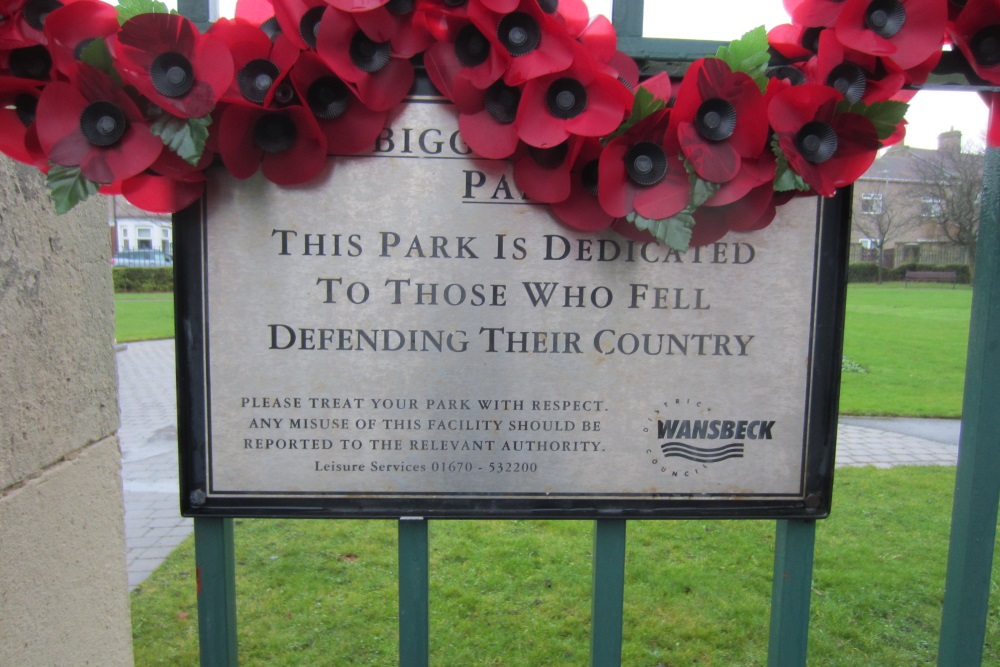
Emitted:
pixel 64 591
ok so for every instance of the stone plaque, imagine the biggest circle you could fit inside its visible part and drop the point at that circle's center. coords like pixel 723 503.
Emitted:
pixel 410 335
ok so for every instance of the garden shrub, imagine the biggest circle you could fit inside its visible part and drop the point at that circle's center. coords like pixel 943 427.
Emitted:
pixel 131 279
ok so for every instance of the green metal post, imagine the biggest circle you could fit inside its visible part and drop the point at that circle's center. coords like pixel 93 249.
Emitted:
pixel 794 545
pixel 216 566
pixel 414 615
pixel 626 15
pixel 609 593
pixel 977 482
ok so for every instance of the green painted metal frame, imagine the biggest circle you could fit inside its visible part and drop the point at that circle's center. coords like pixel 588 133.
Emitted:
pixel 977 482
pixel 977 489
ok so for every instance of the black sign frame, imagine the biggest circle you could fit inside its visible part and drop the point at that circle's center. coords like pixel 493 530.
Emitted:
pixel 193 387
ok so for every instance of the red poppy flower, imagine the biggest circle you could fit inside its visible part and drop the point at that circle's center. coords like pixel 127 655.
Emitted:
pixel 11 36
pixel 260 63
pixel 753 173
pixel 583 99
pixel 381 77
pixel 258 12
pixel 27 62
pixel 395 22
pixel 18 136
pixel 976 32
pixel 750 213
pixel 600 39
pixel 349 126
pixel 828 150
pixel 794 42
pixel 443 19
pixel 69 29
pixel 286 144
pixel 907 32
pixel 642 171
pixel 30 16
pixel 93 124
pixel 299 20
pixel 467 54
pixel 545 174
pixel 169 185
pixel 171 63
pixel 720 118
pixel 486 118
pixel 536 41
pixel 356 5
pixel 814 13
pixel 582 209
pixel 858 76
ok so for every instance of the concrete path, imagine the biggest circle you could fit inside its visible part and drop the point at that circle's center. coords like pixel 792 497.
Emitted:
pixel 153 525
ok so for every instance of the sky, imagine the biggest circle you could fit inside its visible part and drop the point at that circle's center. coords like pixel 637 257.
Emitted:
pixel 931 112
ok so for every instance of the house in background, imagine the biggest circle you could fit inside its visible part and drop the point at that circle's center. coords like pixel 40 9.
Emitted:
pixel 132 228
pixel 918 205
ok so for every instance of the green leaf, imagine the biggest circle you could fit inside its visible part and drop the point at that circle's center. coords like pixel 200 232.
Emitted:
pixel 786 179
pixel 886 116
pixel 701 191
pixel 131 8
pixel 96 53
pixel 184 136
pixel 644 104
pixel 68 187
pixel 748 54
pixel 675 231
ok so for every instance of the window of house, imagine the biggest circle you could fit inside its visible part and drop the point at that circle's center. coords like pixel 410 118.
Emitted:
pixel 931 207
pixel 145 235
pixel 871 203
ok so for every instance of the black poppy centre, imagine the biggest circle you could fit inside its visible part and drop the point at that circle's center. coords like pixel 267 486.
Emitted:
pixel 715 119
pixel 368 55
pixel 24 108
pixel 566 98
pixel 256 78
pixel 646 163
pixel 519 33
pixel 471 46
pixel 172 74
pixel 589 175
pixel 309 25
pixel 816 142
pixel 103 124
pixel 274 133
pixel 885 17
pixel 328 97
pixel 985 46
pixel 849 80
pixel 501 102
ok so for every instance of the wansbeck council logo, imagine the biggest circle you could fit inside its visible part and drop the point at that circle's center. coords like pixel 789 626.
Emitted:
pixel 690 438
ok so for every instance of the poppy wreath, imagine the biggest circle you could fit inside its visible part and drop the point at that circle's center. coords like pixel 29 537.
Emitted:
pixel 136 101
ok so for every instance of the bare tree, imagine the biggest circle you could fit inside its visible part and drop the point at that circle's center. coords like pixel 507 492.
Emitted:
pixel 951 185
pixel 876 216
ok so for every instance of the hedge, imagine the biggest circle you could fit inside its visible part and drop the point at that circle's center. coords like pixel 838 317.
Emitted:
pixel 867 272
pixel 134 279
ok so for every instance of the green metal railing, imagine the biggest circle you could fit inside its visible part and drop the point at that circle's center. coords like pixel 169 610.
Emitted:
pixel 977 490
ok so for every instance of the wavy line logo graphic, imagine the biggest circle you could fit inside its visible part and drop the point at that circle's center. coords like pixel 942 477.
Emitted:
pixel 702 454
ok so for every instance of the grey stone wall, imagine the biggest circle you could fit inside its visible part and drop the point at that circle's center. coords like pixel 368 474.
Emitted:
pixel 64 590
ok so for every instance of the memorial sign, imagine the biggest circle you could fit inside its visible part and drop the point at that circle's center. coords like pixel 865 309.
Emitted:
pixel 414 336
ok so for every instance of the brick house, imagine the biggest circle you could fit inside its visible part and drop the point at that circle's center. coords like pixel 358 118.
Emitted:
pixel 923 203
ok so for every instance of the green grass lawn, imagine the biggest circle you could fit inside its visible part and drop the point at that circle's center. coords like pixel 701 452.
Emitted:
pixel 144 316
pixel 324 592
pixel 910 344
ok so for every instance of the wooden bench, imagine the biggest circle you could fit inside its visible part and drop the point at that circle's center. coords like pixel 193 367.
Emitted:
pixel 931 277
